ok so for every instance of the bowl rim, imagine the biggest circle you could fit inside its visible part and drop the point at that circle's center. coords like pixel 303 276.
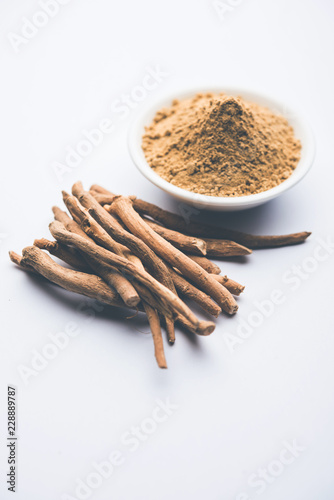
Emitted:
pixel 295 118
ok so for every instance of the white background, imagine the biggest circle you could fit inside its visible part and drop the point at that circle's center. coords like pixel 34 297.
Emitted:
pixel 234 411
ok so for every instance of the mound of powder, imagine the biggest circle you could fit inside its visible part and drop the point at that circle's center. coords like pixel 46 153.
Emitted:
pixel 219 145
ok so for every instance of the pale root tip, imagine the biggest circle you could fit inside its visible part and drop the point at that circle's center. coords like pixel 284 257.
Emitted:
pixel 238 292
pixel 15 257
pixel 12 255
pixel 77 188
pixel 205 328
pixel 132 301
pixel 201 246
pixel 233 309
pixel 242 249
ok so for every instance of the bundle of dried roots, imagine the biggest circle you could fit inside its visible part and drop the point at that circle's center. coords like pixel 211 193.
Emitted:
pixel 126 252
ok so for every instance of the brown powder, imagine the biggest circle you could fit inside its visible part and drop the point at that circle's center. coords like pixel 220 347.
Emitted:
pixel 219 145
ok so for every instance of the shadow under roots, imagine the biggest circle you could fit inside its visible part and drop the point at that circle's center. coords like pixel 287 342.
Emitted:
pixel 191 337
pixel 91 309
pixel 242 259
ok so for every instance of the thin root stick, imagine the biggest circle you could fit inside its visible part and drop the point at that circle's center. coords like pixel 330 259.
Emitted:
pixel 177 223
pixel 75 281
pixel 189 290
pixel 150 301
pixel 185 243
pixel 67 254
pixel 206 264
pixel 234 287
pixel 154 322
pixel 170 329
pixel 225 248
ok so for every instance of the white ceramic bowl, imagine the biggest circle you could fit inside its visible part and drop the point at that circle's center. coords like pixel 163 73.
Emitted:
pixel 301 129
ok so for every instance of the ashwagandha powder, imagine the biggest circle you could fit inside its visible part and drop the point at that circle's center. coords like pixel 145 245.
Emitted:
pixel 218 145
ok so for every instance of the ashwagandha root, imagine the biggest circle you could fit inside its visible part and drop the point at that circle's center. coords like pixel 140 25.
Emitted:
pixel 65 253
pixel 206 264
pixel 151 311
pixel 86 222
pixel 185 243
pixel 190 291
pixel 122 206
pixel 72 257
pixel 196 246
pixel 140 252
pixel 17 259
pixel 154 322
pixel 37 262
pixel 111 276
pixel 234 287
pixel 156 266
pixel 126 252
pixel 95 188
pixel 75 281
pixel 172 301
pixel 225 248
pixel 192 245
pixel 137 246
pixel 177 223
pixel 99 214
pixel 151 306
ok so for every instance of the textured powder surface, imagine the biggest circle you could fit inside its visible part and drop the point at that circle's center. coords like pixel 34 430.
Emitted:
pixel 218 145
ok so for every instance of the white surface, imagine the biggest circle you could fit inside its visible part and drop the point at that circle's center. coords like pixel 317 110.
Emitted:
pixel 300 125
pixel 234 411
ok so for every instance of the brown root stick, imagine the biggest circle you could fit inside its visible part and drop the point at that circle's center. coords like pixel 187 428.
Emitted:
pixel 225 248
pixel 75 281
pixel 234 287
pixel 185 243
pixel 206 264
pixel 183 286
pixel 67 254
